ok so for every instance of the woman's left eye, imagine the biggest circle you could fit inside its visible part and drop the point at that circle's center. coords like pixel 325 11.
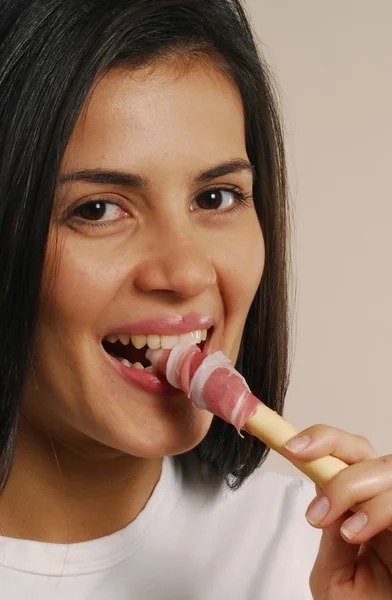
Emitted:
pixel 218 199
pixel 99 210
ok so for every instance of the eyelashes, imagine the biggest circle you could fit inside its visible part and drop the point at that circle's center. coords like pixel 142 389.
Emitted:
pixel 90 214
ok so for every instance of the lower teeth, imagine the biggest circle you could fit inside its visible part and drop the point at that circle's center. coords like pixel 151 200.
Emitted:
pixel 136 365
pixel 125 362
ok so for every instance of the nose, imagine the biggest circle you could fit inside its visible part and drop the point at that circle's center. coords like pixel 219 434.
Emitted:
pixel 175 262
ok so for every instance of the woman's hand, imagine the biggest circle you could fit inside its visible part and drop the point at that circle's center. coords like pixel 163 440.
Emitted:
pixel 355 557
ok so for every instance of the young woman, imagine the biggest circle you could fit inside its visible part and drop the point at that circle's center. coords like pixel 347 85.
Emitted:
pixel 142 198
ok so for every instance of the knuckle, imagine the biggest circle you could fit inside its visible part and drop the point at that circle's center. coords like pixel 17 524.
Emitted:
pixel 319 430
pixel 366 444
pixel 349 492
pixel 341 489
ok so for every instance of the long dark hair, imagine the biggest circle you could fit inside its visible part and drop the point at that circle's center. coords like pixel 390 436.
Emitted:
pixel 51 53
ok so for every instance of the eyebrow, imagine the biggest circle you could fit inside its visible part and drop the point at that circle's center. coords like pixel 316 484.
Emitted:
pixel 102 176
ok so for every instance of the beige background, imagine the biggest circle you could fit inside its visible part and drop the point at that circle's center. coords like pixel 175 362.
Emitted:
pixel 333 62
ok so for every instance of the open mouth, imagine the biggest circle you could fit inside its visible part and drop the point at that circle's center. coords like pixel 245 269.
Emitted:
pixel 130 350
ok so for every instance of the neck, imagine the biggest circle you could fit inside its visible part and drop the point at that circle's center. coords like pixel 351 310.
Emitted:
pixel 57 495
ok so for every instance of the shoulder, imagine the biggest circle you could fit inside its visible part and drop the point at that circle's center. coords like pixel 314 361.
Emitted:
pixel 267 494
pixel 282 492
pixel 261 527
pixel 272 484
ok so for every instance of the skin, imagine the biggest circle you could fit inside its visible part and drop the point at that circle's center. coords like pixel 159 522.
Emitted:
pixel 84 427
pixel 160 252
pixel 358 567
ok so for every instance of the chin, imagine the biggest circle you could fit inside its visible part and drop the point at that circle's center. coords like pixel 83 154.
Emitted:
pixel 165 436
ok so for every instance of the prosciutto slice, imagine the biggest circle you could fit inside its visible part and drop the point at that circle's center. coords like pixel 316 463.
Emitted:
pixel 211 382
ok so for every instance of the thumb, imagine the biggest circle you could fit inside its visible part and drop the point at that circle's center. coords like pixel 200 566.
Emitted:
pixel 336 559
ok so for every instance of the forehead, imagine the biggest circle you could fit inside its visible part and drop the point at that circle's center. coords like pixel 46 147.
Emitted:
pixel 157 118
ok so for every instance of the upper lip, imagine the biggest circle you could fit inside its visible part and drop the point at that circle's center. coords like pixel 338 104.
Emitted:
pixel 170 324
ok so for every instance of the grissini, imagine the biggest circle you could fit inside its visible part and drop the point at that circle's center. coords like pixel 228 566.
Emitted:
pixel 212 383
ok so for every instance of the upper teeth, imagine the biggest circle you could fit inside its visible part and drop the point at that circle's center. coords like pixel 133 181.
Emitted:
pixel 167 342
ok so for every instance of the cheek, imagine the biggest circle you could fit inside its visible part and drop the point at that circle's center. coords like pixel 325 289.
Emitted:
pixel 240 279
pixel 244 270
pixel 83 286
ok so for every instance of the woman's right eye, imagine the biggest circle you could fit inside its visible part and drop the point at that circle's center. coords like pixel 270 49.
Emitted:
pixel 100 211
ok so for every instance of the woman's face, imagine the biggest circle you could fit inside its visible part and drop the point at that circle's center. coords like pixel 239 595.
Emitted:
pixel 154 233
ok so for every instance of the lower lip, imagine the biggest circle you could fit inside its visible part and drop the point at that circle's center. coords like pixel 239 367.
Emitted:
pixel 152 383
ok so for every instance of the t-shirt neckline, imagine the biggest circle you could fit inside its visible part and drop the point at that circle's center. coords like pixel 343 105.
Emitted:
pixel 43 558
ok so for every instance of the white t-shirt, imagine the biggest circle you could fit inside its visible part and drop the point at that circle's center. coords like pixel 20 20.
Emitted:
pixel 195 540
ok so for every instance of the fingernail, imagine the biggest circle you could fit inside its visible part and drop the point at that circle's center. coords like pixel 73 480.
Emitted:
pixel 354 525
pixel 317 510
pixel 298 443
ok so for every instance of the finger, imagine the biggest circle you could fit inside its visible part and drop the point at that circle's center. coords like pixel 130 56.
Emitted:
pixel 339 563
pixel 375 516
pixel 335 559
pixel 353 486
pixel 321 440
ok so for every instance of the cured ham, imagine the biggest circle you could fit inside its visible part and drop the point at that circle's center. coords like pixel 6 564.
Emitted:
pixel 211 382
